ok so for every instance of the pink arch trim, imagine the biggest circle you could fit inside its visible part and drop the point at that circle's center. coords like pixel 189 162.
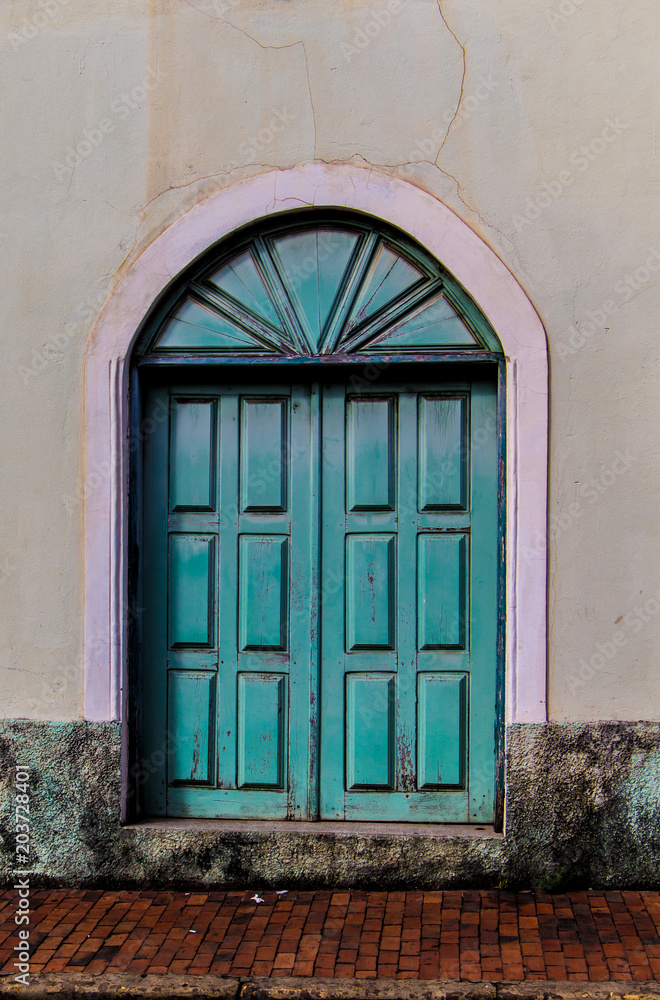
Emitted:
pixel 477 268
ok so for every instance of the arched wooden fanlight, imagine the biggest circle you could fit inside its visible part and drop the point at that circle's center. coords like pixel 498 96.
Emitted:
pixel 317 286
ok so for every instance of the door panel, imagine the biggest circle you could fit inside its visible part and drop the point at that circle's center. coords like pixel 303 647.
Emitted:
pixel 370 592
pixel 443 452
pixel 263 601
pixel 192 455
pixel 442 589
pixel 321 579
pixel 370 730
pixel 370 454
pixel 441 729
pixel 191 715
pixel 263 456
pixel 262 711
pixel 191 590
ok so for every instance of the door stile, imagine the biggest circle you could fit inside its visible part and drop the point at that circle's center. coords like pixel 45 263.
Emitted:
pixel 227 766
pixel 483 724
pixel 332 760
pixel 153 683
pixel 406 735
pixel 315 577
pixel 303 603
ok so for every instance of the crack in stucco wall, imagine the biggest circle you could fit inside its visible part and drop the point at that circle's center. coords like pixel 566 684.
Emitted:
pixel 460 96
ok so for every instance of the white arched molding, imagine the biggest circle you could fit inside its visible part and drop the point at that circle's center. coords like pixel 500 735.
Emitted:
pixel 481 273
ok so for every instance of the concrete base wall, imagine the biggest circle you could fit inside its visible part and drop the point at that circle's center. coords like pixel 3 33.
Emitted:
pixel 582 810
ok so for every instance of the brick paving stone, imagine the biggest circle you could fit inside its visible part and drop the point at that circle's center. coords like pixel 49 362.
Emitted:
pixel 573 936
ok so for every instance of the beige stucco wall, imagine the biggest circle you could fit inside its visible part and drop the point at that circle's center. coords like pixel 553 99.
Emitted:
pixel 487 106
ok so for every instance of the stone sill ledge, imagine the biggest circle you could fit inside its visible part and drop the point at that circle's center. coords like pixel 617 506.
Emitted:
pixel 337 828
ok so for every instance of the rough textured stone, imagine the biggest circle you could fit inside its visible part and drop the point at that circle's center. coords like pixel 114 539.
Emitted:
pixel 81 985
pixel 563 990
pixel 583 810
pixel 352 989
pixel 110 985
pixel 583 805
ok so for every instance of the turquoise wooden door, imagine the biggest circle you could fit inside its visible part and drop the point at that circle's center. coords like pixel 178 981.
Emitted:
pixel 321 602
pixel 409 603
pixel 229 641
pixel 318 555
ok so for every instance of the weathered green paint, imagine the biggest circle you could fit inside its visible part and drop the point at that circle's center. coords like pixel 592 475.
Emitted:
pixel 241 281
pixel 318 534
pixel 370 731
pixel 316 285
pixel 192 455
pixel 238 606
pixel 190 716
pixel 263 594
pixel 190 621
pixel 262 715
pixel 313 289
pixel 417 588
pixel 442 587
pixel 408 588
pixel 583 810
pixel 442 700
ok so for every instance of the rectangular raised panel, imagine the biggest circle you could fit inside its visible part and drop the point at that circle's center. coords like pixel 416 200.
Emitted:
pixel 191 724
pixel 190 590
pixel 442 590
pixel 370 728
pixel 370 454
pixel 263 604
pixel 192 456
pixel 261 726
pixel 442 471
pixel 441 730
pixel 370 591
pixel 263 455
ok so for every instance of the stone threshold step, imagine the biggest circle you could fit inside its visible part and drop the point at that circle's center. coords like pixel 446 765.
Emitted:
pixel 80 985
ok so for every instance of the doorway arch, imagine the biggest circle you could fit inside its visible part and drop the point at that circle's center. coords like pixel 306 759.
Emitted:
pixel 318 532
pixel 474 266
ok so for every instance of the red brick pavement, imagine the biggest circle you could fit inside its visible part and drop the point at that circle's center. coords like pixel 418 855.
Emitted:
pixel 487 935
